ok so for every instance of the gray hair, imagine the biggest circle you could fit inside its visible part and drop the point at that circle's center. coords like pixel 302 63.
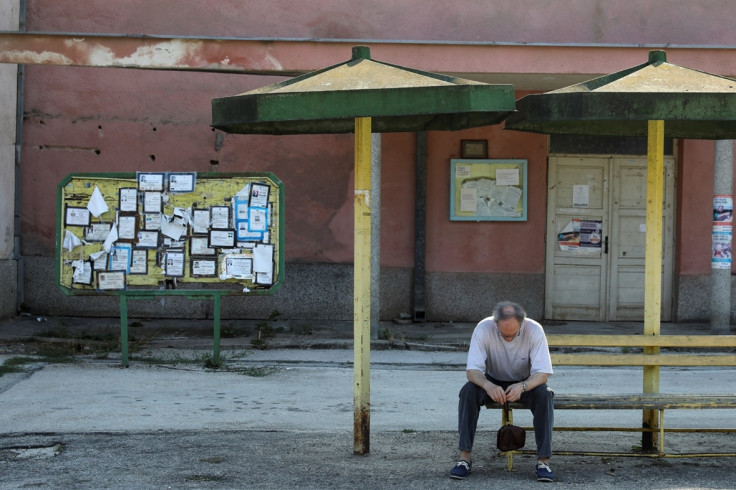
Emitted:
pixel 499 314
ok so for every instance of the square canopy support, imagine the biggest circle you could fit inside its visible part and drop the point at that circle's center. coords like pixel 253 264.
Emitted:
pixel 362 286
pixel 653 265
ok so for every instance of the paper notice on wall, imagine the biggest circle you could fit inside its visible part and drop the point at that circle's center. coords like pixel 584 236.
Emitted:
pixel 462 171
pixel 507 176
pixel 468 200
pixel 721 248
pixel 263 258
pixel 580 196
pixel 97 204
pixel 71 241
pixel 722 210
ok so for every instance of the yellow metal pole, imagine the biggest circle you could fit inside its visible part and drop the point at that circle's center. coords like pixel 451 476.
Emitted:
pixel 653 264
pixel 362 287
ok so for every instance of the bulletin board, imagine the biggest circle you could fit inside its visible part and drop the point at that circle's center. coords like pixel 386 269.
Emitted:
pixel 170 231
pixel 488 190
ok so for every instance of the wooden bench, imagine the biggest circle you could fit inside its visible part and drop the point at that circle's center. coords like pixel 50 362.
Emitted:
pixel 647 352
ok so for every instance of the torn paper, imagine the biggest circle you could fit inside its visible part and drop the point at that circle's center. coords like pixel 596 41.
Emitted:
pixel 97 204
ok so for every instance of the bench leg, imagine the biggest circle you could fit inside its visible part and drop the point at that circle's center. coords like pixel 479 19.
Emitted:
pixel 510 454
pixel 661 431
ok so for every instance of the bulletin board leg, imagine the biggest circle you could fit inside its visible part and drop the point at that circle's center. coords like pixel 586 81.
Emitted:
pixel 216 341
pixel 124 328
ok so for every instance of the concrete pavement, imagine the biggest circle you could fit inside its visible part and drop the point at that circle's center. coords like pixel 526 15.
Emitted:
pixel 283 417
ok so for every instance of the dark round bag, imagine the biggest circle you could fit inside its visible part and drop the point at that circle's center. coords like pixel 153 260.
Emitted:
pixel 510 437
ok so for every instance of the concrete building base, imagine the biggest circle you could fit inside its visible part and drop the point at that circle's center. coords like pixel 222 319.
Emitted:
pixel 8 288
pixel 309 291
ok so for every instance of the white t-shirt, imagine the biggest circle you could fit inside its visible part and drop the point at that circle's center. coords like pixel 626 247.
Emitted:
pixel 527 354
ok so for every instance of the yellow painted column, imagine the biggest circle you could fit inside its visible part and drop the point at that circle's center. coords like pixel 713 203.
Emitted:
pixel 653 264
pixel 362 288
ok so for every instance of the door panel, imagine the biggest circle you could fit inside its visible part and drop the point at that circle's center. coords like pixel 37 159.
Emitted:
pixel 628 239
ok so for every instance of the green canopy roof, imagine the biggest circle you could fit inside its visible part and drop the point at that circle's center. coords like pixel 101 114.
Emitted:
pixel 396 98
pixel 693 104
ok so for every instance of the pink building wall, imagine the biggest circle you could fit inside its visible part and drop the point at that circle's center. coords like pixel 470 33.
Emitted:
pixel 113 120
pixel 683 22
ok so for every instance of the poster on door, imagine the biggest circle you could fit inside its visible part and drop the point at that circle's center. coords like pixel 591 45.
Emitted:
pixel 582 236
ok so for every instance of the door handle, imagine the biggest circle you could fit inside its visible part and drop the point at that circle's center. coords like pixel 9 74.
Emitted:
pixel 605 245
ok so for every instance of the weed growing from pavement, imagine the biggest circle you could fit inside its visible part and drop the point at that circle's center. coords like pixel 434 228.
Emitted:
pixel 259 343
pixel 229 331
pixel 255 371
pixel 212 362
pixel 14 365
pixel 176 358
pixel 222 364
pixel 18 364
pixel 60 345
pixel 208 362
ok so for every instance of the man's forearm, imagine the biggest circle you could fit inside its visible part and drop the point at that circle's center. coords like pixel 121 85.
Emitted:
pixel 535 380
pixel 478 378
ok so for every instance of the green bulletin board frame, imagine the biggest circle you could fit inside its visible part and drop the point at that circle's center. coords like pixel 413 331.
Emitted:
pixel 198 191
pixel 488 190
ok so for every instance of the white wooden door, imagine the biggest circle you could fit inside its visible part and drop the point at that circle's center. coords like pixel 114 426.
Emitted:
pixel 576 276
pixel 628 239
pixel 595 238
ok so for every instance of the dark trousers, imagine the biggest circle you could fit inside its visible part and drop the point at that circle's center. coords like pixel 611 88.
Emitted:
pixel 540 401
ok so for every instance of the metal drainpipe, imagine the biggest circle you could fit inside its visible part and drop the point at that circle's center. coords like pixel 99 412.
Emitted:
pixel 19 109
pixel 420 226
pixel 375 234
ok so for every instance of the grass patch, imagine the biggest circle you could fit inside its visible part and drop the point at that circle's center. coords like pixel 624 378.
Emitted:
pixel 14 365
pixel 173 359
pixel 229 331
pixel 255 371
pixel 212 362
pixel 260 344
pixel 18 364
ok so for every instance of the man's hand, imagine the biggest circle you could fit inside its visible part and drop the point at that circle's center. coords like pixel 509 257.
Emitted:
pixel 514 391
pixel 494 391
pixel 497 394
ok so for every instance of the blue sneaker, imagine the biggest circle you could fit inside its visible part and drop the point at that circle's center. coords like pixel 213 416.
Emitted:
pixel 544 472
pixel 461 470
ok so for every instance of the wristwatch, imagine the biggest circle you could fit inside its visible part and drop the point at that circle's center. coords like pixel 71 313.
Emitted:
pixel 523 383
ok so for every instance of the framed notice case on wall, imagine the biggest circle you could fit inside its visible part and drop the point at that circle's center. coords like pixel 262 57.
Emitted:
pixel 488 190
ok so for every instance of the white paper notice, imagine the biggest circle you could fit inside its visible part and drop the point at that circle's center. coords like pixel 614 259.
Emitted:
pixel 263 258
pixel 468 200
pixel 71 241
pixel 173 230
pixel 82 272
pixel 111 238
pixel 580 196
pixel 507 176
pixel 97 204
pixel 462 171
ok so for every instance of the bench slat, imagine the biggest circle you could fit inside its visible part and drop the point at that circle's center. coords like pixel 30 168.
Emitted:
pixel 590 340
pixel 636 401
pixel 602 359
